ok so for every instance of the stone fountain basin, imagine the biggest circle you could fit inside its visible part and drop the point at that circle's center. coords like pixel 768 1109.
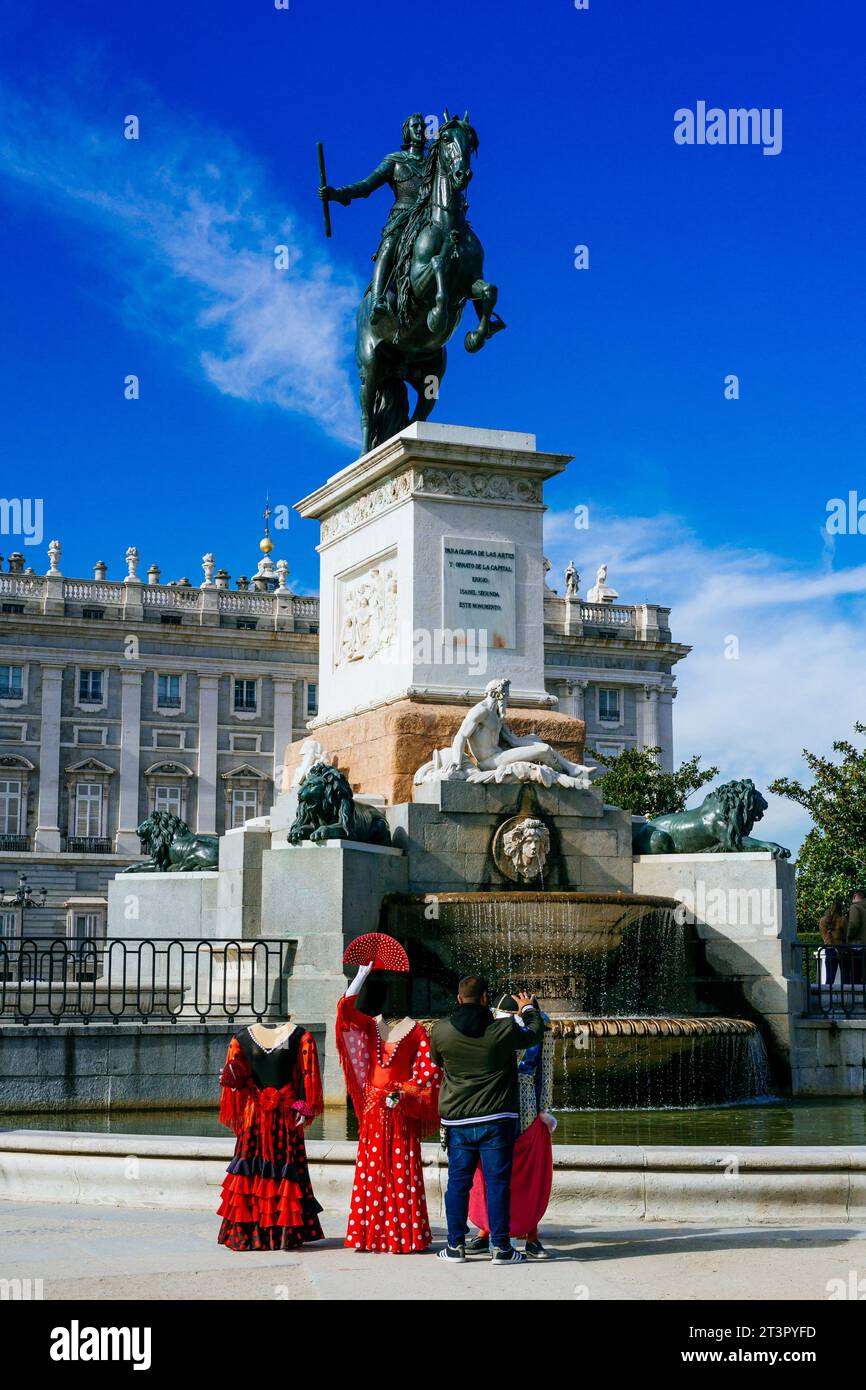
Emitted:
pixel 590 922
pixel 626 1042
pixel 642 1062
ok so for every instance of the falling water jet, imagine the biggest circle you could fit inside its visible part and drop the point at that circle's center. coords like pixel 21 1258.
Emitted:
pixel 611 970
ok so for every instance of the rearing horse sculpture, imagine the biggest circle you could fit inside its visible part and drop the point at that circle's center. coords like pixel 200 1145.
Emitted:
pixel 438 267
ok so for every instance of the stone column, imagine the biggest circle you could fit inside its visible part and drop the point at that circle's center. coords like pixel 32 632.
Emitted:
pixel 650 737
pixel 48 826
pixel 208 721
pixel 578 698
pixel 666 728
pixel 284 697
pixel 126 840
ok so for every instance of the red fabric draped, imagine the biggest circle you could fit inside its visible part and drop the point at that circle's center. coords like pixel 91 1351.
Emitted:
pixel 531 1181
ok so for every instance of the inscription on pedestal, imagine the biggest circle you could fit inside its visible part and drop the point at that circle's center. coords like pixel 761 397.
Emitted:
pixel 478 588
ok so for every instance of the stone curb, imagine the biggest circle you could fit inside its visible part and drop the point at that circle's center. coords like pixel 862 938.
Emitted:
pixel 590 1183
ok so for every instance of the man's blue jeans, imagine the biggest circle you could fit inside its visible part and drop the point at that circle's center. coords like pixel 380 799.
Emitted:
pixel 492 1145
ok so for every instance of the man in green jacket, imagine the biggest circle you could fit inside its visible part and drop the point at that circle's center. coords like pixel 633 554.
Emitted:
pixel 480 1108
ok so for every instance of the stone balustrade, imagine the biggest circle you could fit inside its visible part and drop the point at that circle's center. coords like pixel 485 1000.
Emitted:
pixel 92 591
pixel 55 594
pixel 21 586
pixel 617 614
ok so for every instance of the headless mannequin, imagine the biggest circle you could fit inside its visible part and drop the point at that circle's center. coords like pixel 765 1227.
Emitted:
pixel 391 1025
pixel 390 1028
pixel 269 1036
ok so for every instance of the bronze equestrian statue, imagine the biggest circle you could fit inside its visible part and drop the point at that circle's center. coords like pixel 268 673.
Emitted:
pixel 428 265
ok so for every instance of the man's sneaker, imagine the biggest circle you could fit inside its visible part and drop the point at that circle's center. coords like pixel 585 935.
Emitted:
pixel 478 1245
pixel 508 1257
pixel 457 1253
pixel 534 1250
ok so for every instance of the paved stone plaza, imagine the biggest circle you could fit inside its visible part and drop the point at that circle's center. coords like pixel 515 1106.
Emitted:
pixel 87 1253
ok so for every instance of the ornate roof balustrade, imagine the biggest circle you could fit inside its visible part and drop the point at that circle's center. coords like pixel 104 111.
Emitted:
pixel 55 595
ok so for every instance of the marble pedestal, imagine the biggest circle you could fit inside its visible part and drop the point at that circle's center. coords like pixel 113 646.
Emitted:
pixel 165 905
pixel 322 896
pixel 743 908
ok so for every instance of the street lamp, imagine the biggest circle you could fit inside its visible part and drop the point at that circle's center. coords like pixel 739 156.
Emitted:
pixel 23 895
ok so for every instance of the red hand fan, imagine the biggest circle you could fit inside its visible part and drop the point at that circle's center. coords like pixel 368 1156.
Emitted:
pixel 378 950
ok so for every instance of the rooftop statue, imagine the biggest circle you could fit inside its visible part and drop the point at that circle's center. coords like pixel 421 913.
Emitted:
pixel 429 263
pixel 497 753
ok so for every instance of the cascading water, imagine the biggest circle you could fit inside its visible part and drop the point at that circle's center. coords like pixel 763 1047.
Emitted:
pixel 615 971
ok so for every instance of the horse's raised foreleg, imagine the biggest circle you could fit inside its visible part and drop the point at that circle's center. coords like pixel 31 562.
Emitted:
pixel 484 297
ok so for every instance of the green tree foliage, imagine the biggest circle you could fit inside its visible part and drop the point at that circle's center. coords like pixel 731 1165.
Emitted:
pixel 636 782
pixel 832 862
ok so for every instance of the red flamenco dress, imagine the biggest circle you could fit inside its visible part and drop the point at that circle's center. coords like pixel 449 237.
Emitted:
pixel 389 1209
pixel 267 1199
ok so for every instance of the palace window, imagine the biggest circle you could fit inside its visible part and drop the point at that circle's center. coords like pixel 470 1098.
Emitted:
pixel 169 798
pixel 609 705
pixel 10 806
pixel 163 739
pixel 245 743
pixel 168 692
pixel 88 809
pixel 609 750
pixel 245 696
pixel 312 697
pixel 8 925
pixel 11 682
pixel 90 687
pixel 245 794
pixel 84 926
pixel 245 805
pixel 90 736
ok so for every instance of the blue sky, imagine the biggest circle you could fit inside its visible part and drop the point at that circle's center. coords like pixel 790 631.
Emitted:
pixel 155 257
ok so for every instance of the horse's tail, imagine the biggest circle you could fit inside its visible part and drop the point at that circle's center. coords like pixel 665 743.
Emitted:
pixel 390 409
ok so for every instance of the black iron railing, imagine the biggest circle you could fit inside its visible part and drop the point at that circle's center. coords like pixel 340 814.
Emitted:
pixel 834 980
pixel 88 844
pixel 144 980
pixel 19 844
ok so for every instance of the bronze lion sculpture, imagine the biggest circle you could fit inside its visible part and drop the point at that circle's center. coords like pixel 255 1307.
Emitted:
pixel 721 824
pixel 327 810
pixel 173 847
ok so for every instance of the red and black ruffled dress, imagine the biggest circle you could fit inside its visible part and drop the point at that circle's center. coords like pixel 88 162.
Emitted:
pixel 267 1199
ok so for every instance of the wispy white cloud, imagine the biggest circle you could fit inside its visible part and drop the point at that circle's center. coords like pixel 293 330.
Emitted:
pixel 185 224
pixel 799 679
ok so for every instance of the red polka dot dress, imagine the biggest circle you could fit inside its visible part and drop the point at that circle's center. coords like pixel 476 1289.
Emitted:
pixel 388 1209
